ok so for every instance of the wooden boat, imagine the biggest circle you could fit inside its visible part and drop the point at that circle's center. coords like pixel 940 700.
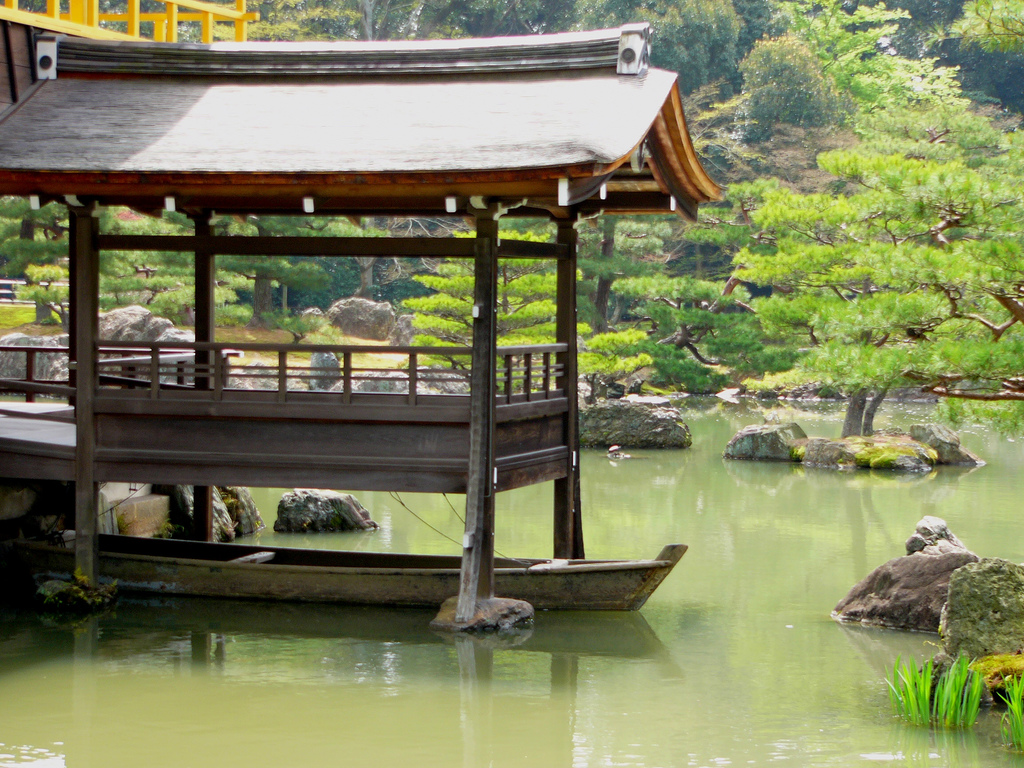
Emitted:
pixel 166 566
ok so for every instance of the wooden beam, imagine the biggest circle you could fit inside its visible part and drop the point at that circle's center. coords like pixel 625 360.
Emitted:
pixel 568 527
pixel 84 263
pixel 432 247
pixel 477 575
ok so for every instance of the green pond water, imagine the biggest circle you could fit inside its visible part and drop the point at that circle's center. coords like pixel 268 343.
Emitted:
pixel 734 660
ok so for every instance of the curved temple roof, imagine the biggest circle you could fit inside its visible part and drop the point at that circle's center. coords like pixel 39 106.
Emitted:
pixel 549 122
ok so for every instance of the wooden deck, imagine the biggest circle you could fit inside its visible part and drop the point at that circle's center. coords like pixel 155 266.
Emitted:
pixel 220 414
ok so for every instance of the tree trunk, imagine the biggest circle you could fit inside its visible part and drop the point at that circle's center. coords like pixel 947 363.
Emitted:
pixel 44 314
pixel 853 424
pixel 604 282
pixel 262 301
pixel 872 408
pixel 366 265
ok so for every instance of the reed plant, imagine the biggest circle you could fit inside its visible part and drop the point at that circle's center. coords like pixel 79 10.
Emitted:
pixel 957 696
pixel 910 691
pixel 1013 719
pixel 953 701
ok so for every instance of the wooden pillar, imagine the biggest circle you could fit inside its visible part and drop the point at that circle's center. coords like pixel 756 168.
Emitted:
pixel 477 578
pixel 85 290
pixel 205 286
pixel 568 525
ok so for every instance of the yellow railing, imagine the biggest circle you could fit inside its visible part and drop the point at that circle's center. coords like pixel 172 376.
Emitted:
pixel 83 18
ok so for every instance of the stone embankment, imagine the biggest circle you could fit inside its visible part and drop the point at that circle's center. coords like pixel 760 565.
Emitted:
pixel 634 422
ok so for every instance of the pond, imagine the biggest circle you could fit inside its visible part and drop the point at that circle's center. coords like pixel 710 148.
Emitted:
pixel 734 660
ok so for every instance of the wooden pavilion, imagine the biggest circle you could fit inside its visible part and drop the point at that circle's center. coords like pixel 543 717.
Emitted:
pixel 561 126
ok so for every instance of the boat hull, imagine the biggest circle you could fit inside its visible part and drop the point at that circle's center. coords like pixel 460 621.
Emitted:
pixel 357 578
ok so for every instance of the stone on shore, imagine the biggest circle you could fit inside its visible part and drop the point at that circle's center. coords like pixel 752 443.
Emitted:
pixel 362 318
pixel 909 592
pixel 633 425
pixel 137 323
pixel 984 614
pixel 48 367
pixel 946 444
pixel 311 510
pixel 765 442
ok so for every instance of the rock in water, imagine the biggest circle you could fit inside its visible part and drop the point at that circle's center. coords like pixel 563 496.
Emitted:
pixel 362 318
pixel 946 443
pixel 985 611
pixel 313 510
pixel 765 442
pixel 633 425
pixel 909 592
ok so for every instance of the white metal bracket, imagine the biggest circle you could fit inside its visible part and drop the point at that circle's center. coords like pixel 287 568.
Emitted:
pixel 634 50
pixel 46 57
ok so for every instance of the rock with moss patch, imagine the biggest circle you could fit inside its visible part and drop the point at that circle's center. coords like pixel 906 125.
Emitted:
pixel 311 510
pixel 77 596
pixel 766 442
pixel 984 614
pixel 633 425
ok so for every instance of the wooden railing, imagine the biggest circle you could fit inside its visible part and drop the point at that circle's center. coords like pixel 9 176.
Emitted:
pixel 84 18
pixel 8 291
pixel 218 371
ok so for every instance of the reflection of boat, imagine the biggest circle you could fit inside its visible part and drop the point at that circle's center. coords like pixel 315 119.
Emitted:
pixel 278 573
pixel 588 633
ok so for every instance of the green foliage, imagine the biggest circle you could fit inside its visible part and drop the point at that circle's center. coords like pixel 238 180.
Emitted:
pixel 77 597
pixel 1013 719
pixel 299 326
pixel 910 691
pixel 995 25
pixel 953 701
pixel 787 84
pixel 613 355
pixel 957 696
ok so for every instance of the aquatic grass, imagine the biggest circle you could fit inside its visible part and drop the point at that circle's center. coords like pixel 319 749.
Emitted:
pixel 957 696
pixel 910 691
pixel 1013 719
pixel 952 702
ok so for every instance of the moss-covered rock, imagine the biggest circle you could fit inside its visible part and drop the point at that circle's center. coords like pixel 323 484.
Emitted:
pixel 77 597
pixel 984 613
pixel 999 668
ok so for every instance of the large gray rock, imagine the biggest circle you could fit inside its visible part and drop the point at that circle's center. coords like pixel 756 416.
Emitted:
pixel 946 444
pixel 633 425
pixel 234 511
pixel 325 370
pixel 16 500
pixel 306 510
pixel 49 367
pixel 765 442
pixel 137 323
pixel 362 318
pixel 403 333
pixel 909 592
pixel 984 614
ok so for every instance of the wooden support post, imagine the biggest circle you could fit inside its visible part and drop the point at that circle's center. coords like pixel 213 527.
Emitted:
pixel 477 579
pixel 85 293
pixel 205 277
pixel 568 527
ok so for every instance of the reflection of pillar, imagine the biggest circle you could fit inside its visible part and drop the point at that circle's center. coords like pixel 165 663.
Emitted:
pixel 568 528
pixel 477 577
pixel 84 290
pixel 565 672
pixel 205 280
pixel 79 748
pixel 476 669
pixel 202 649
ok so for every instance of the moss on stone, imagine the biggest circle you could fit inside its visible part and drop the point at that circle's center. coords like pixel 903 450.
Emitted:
pixel 999 668
pixel 797 452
